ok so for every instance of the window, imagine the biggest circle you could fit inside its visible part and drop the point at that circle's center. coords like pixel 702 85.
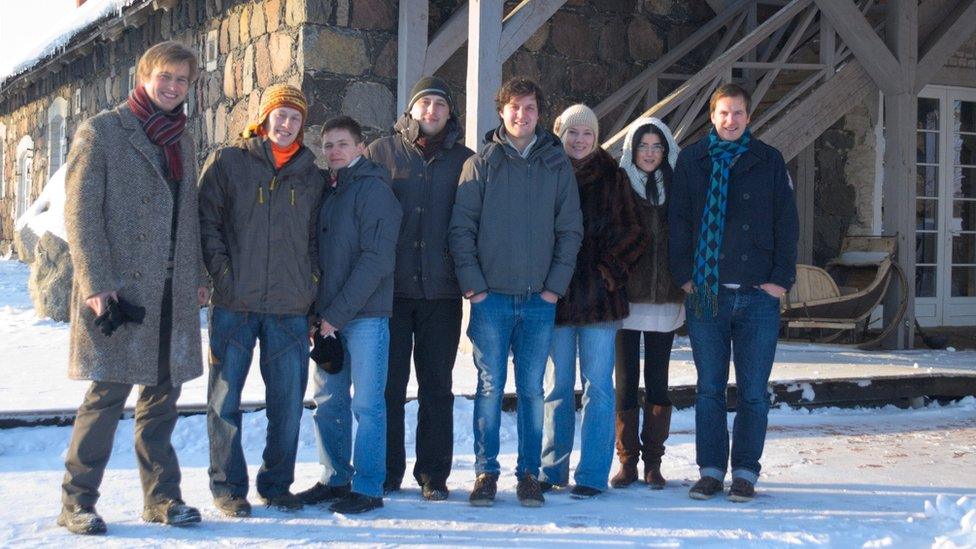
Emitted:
pixel 76 102
pixel 132 78
pixel 25 169
pixel 210 50
pixel 3 158
pixel 57 139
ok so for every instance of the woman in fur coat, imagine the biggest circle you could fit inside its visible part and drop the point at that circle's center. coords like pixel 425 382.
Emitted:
pixel 588 315
pixel 656 308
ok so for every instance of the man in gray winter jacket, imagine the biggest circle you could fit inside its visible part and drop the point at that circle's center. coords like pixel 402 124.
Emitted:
pixel 425 160
pixel 515 231
pixel 358 227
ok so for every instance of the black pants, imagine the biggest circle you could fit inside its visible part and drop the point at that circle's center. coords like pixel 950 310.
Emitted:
pixel 429 330
pixel 98 416
pixel 657 355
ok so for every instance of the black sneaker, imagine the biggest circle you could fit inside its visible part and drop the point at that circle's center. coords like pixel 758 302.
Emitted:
pixel 172 512
pixel 483 493
pixel 233 506
pixel 390 486
pixel 529 492
pixel 435 490
pixel 81 519
pixel 321 493
pixel 742 490
pixel 285 501
pixel 705 488
pixel 356 503
pixel 584 492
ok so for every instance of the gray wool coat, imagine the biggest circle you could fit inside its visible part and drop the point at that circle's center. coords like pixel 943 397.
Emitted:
pixel 118 218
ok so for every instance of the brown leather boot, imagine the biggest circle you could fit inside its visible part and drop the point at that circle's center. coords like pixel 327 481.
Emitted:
pixel 628 448
pixel 657 426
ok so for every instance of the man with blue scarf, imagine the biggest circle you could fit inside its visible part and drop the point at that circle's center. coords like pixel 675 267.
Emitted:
pixel 733 234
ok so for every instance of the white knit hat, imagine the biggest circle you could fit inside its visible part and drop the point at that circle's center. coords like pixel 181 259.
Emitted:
pixel 577 115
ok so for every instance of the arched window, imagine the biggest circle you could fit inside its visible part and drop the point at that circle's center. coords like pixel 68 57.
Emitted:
pixel 24 174
pixel 3 161
pixel 57 139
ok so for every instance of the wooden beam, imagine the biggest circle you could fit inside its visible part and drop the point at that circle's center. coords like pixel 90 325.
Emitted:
pixel 451 36
pixel 411 48
pixel 484 69
pixel 781 59
pixel 522 22
pixel 955 29
pixel 858 34
pixel 804 183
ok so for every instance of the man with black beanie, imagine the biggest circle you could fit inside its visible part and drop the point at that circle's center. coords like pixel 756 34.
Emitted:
pixel 425 160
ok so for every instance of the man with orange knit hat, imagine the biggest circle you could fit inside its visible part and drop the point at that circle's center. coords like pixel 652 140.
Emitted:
pixel 259 200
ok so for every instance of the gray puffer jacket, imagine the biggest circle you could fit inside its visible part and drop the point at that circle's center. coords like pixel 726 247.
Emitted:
pixel 358 227
pixel 426 190
pixel 257 226
pixel 516 226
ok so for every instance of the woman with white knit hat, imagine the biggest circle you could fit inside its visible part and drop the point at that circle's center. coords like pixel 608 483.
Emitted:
pixel 656 309
pixel 587 316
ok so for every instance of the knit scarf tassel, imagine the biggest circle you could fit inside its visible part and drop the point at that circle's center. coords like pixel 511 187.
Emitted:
pixel 712 229
pixel 164 129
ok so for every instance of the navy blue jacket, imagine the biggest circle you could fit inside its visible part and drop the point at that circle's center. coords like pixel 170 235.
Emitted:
pixel 761 225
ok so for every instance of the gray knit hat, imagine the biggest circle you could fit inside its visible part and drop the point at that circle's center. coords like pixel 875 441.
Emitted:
pixel 430 85
pixel 577 115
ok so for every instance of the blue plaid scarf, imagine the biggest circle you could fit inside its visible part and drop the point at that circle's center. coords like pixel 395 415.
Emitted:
pixel 712 229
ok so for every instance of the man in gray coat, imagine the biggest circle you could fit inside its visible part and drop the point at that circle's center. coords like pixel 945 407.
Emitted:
pixel 515 232
pixel 134 240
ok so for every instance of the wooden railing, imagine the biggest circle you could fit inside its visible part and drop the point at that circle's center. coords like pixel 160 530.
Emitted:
pixel 746 51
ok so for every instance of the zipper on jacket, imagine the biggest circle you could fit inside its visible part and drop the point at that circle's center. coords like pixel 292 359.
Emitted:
pixel 274 183
pixel 261 194
pixel 293 196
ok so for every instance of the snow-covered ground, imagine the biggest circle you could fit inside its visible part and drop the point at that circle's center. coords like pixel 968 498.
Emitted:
pixel 839 478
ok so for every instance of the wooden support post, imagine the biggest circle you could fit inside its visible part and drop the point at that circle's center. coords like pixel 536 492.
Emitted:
pixel 901 108
pixel 804 181
pixel 411 48
pixel 828 46
pixel 484 69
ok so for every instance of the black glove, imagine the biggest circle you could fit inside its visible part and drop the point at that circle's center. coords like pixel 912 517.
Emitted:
pixel 328 353
pixel 116 314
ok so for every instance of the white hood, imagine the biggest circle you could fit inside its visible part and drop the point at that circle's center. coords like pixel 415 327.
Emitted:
pixel 637 177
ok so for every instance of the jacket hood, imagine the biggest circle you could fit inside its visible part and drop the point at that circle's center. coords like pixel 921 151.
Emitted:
pixel 409 129
pixel 364 167
pixel 260 147
pixel 546 141
pixel 637 176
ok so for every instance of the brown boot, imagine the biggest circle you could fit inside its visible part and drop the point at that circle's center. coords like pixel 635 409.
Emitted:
pixel 657 426
pixel 628 448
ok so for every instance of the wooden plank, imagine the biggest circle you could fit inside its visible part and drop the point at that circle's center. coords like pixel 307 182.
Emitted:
pixel 804 185
pixel 522 22
pixel 411 48
pixel 857 33
pixel 484 69
pixel 779 65
pixel 782 57
pixel 955 29
pixel 451 36
pixel 719 67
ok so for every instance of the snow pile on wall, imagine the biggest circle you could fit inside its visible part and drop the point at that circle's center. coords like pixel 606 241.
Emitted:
pixel 55 36
pixel 959 519
pixel 46 214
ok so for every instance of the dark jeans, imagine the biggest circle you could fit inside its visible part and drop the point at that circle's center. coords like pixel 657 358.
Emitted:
pixel 98 417
pixel 284 368
pixel 429 330
pixel 746 325
pixel 657 356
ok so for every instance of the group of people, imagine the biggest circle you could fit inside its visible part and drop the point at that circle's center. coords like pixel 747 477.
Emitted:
pixel 565 255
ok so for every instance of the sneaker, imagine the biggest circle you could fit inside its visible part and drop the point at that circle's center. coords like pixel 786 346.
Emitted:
pixel 529 492
pixel 485 488
pixel 584 492
pixel 233 506
pixel 356 503
pixel 81 519
pixel 742 490
pixel 547 487
pixel 705 488
pixel 390 486
pixel 285 501
pixel 435 490
pixel 321 493
pixel 172 512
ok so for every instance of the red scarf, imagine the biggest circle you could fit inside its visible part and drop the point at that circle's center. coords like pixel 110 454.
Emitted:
pixel 162 128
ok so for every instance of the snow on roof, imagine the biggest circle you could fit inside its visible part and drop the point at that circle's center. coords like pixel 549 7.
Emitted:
pixel 47 40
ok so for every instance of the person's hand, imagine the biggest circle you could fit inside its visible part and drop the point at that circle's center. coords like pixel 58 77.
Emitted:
pixel 326 329
pixel 688 287
pixel 549 297
pixel 774 290
pixel 99 302
pixel 203 295
pixel 477 298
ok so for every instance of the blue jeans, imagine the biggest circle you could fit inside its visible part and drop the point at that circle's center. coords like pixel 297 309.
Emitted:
pixel 284 369
pixel 596 351
pixel 523 325
pixel 746 324
pixel 367 348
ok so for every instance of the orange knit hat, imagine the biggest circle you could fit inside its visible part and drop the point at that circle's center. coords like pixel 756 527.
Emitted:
pixel 278 95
